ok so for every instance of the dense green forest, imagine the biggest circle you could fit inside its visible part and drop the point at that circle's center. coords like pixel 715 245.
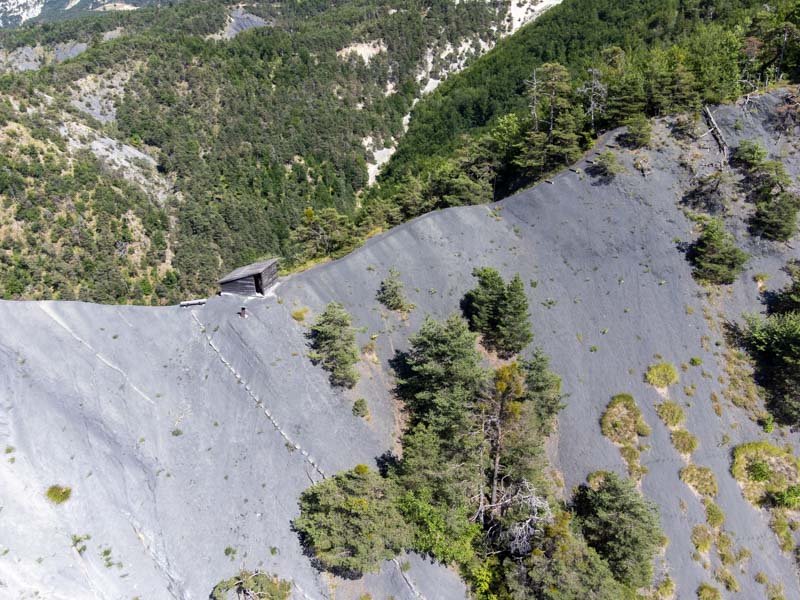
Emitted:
pixel 257 137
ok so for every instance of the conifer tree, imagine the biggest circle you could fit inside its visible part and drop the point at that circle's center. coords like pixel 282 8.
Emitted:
pixel 333 345
pixel 513 330
pixel 391 293
pixel 480 304
pixel 715 256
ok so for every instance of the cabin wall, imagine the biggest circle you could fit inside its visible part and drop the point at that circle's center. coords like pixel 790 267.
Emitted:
pixel 245 286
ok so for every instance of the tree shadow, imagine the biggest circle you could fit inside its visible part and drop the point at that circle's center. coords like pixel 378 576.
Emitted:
pixel 600 175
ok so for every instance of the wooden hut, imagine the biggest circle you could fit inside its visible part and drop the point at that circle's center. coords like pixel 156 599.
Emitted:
pixel 250 280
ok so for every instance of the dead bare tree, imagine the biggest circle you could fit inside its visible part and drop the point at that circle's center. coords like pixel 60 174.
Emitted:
pixel 596 92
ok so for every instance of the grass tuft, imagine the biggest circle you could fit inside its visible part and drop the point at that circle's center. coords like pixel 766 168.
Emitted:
pixel 661 375
pixel 58 494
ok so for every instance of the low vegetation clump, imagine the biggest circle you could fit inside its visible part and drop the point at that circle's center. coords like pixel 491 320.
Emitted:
pixel 684 442
pixel 706 591
pixel 623 424
pixel 671 413
pixel 58 494
pixel 333 345
pixel 360 408
pixel 391 293
pixel 715 257
pixel 714 515
pixel 499 312
pixel 352 521
pixel 700 479
pixel 768 475
pixel 726 578
pixel 662 375
pixel 253 584
pixel 299 314
pixel 702 538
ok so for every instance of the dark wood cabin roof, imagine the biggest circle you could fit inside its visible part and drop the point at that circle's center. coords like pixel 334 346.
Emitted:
pixel 248 270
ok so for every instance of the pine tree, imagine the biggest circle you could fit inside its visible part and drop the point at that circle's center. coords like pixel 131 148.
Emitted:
pixel 513 331
pixel 333 345
pixel 391 293
pixel 351 521
pixel 480 304
pixel 715 256
pixel 621 525
pixel 776 218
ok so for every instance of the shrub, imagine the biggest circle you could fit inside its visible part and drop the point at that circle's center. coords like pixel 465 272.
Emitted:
pixel 662 375
pixel 299 314
pixel 714 515
pixel 708 592
pixel 360 408
pixel 670 413
pixel 700 479
pixel 622 421
pixel 391 293
pixel 351 521
pixel 763 470
pixel 684 442
pixel 715 257
pixel 58 494
pixel 788 498
pixel 695 361
pixel 758 470
pixel 702 538
pixel 333 345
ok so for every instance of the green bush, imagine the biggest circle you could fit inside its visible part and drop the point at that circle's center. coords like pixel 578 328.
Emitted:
pixel 671 413
pixel 708 592
pixel 758 470
pixel 662 375
pixel 58 494
pixel 684 442
pixel 622 422
pixel 701 479
pixel 333 345
pixel 360 408
pixel 788 498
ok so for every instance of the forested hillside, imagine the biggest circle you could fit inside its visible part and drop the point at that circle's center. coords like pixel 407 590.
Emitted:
pixel 249 136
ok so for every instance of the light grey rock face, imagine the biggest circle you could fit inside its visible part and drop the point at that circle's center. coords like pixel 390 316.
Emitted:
pixel 240 21
pixel 186 431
